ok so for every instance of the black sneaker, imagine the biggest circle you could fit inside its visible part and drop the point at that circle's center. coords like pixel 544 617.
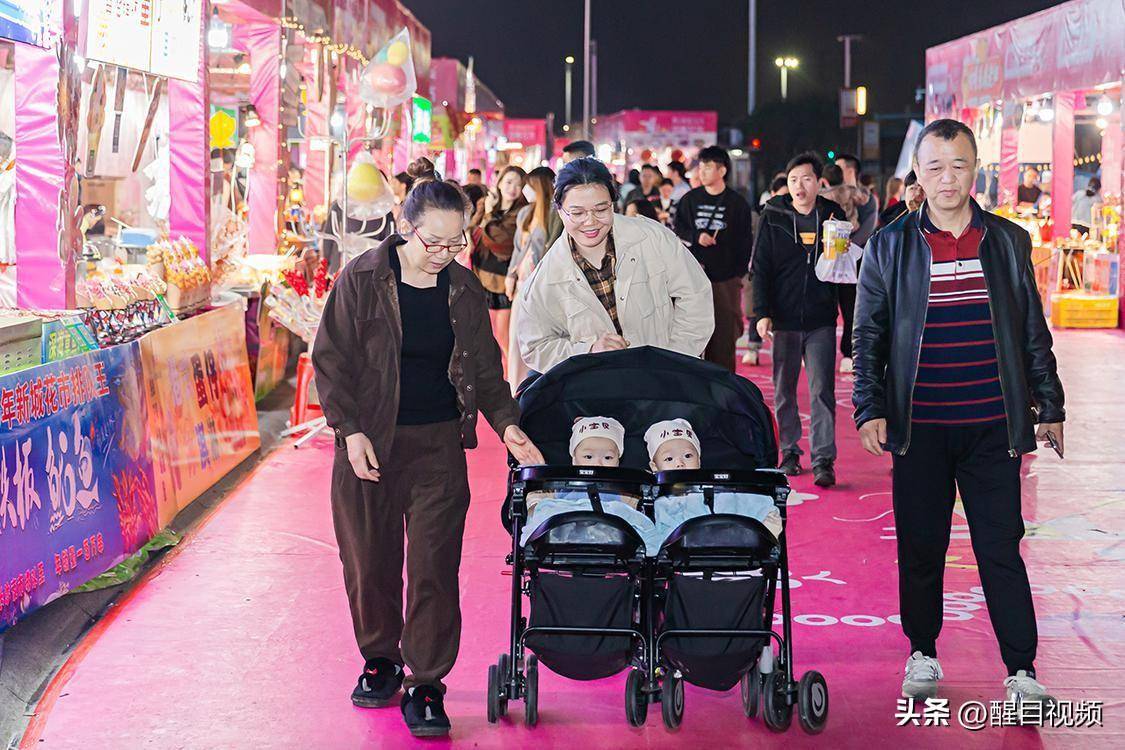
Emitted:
pixel 378 685
pixel 824 475
pixel 791 464
pixel 423 709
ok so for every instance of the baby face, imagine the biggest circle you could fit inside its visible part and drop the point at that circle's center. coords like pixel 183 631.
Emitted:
pixel 675 454
pixel 597 451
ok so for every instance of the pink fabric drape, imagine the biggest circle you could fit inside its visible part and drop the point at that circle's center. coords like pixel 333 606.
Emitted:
pixel 189 149
pixel 1062 156
pixel 316 126
pixel 263 43
pixel 1111 154
pixel 42 278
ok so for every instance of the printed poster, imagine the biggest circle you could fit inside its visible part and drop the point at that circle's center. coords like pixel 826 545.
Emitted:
pixel 201 404
pixel 77 490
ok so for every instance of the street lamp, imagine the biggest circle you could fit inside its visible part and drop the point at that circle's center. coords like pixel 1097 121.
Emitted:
pixel 785 64
pixel 569 75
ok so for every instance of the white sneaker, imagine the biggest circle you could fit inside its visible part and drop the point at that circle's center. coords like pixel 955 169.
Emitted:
pixel 1023 688
pixel 750 358
pixel 922 675
pixel 846 365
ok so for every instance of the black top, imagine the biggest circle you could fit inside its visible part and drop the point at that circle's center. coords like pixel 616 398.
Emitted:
pixel 727 214
pixel 426 395
pixel 1025 194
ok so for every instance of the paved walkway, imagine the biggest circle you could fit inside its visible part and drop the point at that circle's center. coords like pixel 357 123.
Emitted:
pixel 241 638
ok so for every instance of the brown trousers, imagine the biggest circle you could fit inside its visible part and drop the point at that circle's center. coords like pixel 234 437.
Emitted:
pixel 424 492
pixel 727 297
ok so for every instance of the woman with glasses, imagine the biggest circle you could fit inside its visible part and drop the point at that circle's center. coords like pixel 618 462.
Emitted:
pixel 404 359
pixel 610 281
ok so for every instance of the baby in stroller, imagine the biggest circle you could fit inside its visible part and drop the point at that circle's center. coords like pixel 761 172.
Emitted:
pixel 594 441
pixel 674 446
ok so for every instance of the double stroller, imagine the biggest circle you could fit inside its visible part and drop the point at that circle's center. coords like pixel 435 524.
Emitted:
pixel 699 609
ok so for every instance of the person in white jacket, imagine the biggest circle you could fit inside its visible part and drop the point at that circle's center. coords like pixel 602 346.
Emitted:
pixel 610 281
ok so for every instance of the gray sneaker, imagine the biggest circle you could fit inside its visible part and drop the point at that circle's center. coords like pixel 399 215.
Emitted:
pixel 922 675
pixel 1022 688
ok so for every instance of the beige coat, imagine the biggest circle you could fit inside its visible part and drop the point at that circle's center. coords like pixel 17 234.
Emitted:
pixel 663 298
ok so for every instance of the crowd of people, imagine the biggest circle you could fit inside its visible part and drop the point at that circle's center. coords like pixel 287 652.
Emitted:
pixel 554 266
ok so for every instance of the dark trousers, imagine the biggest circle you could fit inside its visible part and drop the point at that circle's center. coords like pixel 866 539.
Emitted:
pixel 727 297
pixel 846 293
pixel 753 340
pixel 423 497
pixel 975 460
pixel 817 350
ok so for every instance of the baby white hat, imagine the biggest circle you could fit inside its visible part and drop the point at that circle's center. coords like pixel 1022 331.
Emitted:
pixel 599 427
pixel 670 429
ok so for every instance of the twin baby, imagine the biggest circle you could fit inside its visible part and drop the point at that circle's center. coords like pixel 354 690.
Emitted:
pixel 672 445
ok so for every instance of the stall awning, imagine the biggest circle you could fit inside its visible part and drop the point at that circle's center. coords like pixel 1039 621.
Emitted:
pixel 1074 46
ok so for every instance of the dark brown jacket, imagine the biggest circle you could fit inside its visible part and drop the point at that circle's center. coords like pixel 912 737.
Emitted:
pixel 493 248
pixel 357 353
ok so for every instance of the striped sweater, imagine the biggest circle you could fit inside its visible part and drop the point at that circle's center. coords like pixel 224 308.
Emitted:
pixel 958 379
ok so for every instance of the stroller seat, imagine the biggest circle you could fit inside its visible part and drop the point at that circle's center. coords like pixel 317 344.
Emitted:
pixel 716 539
pixel 584 537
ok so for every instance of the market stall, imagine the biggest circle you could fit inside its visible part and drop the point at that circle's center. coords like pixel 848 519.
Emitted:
pixel 114 334
pixel 623 137
pixel 1044 96
pixel 462 107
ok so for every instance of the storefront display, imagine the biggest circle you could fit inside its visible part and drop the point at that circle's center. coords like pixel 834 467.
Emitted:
pixel 1044 96
pixel 632 137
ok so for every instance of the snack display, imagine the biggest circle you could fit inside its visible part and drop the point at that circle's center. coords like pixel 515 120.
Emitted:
pixel 187 276
pixel 121 304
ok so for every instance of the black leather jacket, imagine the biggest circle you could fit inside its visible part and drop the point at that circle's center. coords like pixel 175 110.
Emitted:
pixel 890 313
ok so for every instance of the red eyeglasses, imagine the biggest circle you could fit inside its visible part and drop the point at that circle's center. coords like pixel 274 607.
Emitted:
pixel 435 247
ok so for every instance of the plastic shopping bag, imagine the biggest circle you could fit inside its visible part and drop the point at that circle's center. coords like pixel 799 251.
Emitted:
pixel 840 269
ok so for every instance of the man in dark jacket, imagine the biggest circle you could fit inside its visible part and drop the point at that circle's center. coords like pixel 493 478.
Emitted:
pixel 953 368
pixel 799 311
pixel 715 224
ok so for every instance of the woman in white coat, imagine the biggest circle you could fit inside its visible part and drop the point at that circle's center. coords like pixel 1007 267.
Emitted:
pixel 610 281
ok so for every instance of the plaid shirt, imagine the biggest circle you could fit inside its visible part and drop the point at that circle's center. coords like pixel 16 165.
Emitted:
pixel 602 279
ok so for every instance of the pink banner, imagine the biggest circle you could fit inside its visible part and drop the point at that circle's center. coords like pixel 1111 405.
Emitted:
pixel 1009 178
pixel 316 127
pixel 1071 47
pixel 263 42
pixel 526 132
pixel 42 278
pixel 1062 156
pixel 189 153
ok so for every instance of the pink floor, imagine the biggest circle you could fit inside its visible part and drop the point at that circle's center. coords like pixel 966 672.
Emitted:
pixel 242 638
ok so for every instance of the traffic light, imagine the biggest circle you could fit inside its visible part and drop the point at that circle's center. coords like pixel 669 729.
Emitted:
pixel 831 156
pixel 755 145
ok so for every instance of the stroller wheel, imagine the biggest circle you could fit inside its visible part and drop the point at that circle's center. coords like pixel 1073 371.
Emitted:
pixel 751 688
pixel 812 702
pixel 493 702
pixel 531 692
pixel 503 664
pixel 672 700
pixel 776 709
pixel 636 700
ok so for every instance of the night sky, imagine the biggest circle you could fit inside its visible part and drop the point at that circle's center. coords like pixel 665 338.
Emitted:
pixel 691 54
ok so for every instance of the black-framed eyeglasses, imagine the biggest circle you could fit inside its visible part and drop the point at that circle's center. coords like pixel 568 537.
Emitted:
pixel 601 213
pixel 433 248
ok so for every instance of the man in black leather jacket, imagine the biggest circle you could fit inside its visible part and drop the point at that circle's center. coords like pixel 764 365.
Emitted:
pixel 953 369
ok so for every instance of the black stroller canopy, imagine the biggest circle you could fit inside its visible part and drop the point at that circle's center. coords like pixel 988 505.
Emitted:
pixel 642 386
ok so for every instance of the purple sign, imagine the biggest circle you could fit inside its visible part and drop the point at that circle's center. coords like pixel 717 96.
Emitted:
pixel 77 492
